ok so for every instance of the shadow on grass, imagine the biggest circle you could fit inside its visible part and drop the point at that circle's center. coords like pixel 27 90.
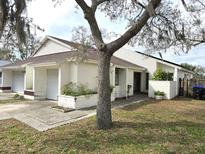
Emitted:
pixel 187 136
pixel 184 133
pixel 157 124
pixel 133 107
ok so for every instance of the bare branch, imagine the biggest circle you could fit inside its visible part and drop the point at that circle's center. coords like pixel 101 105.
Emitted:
pixel 96 3
pixel 117 44
pixel 90 17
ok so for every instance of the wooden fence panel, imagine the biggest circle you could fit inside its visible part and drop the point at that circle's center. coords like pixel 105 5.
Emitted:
pixel 186 86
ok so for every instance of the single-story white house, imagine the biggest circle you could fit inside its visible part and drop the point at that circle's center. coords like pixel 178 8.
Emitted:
pixel 152 63
pixel 55 64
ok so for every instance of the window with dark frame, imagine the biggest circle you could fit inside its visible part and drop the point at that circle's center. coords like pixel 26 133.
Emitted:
pixel 117 77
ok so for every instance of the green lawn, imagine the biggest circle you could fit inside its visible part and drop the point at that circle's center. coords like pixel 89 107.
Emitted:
pixel 151 127
pixel 10 101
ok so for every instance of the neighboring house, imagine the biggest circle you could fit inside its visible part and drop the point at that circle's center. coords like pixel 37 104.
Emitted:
pixel 152 63
pixel 54 65
pixel 2 63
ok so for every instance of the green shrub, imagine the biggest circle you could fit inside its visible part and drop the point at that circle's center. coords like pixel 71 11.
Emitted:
pixel 72 89
pixel 159 93
pixel 18 97
pixel 161 75
pixel 169 76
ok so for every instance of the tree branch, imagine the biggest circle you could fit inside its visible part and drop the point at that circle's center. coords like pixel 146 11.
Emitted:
pixel 96 3
pixel 134 30
pixel 89 15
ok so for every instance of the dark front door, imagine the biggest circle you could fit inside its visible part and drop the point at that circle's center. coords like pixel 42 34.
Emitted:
pixel 137 82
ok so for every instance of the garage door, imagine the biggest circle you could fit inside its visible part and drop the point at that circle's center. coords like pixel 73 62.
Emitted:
pixel 18 82
pixel 52 84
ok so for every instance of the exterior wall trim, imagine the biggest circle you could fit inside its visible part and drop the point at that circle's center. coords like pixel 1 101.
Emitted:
pixel 28 92
pixel 5 88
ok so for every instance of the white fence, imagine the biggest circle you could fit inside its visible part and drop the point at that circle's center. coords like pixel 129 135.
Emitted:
pixel 168 87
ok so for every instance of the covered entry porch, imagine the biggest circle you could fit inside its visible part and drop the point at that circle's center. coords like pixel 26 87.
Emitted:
pixel 126 82
pixel 13 80
pixel 42 82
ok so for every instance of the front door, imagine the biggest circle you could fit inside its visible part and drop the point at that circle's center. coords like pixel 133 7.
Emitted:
pixel 18 82
pixel 137 82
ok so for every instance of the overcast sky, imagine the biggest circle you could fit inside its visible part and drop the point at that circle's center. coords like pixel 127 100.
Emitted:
pixel 60 20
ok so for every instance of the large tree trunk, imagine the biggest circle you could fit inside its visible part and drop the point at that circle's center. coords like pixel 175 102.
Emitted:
pixel 104 117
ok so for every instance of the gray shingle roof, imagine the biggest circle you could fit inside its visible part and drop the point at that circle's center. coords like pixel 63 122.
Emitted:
pixel 91 54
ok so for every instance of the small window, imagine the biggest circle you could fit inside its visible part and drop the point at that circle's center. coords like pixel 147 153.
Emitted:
pixel 0 74
pixel 117 76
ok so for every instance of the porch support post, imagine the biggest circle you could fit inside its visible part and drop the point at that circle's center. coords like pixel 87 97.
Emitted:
pixel 34 78
pixel 59 80
pixel 126 82
pixel 113 81
pixel 176 78
pixel 25 81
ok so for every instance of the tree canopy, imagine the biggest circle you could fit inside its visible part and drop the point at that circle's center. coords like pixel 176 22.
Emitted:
pixel 15 29
pixel 199 71
pixel 176 25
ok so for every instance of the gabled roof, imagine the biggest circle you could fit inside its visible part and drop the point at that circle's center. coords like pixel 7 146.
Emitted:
pixel 60 41
pixel 166 61
pixel 72 44
pixel 91 54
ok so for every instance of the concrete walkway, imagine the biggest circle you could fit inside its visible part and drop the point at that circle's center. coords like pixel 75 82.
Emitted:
pixel 40 115
pixel 6 96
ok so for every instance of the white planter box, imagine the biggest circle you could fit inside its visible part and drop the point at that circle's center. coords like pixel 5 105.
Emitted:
pixel 79 102
pixel 168 87
pixel 157 97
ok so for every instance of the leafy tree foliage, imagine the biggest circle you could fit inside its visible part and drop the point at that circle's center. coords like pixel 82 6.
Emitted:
pixel 188 66
pixel 198 70
pixel 15 26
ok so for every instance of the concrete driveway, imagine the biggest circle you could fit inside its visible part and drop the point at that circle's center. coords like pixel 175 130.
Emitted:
pixel 6 96
pixel 40 115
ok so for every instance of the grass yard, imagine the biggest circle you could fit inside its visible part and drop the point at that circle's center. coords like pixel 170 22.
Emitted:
pixel 176 126
pixel 11 101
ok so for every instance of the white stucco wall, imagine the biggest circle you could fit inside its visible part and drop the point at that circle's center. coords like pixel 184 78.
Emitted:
pixel 73 72
pixel 168 87
pixel 130 80
pixel 121 89
pixel 7 76
pixel 165 68
pixel 143 82
pixel 40 82
pixel 64 76
pixel 29 78
pixel 87 75
pixel 138 59
pixel 51 47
